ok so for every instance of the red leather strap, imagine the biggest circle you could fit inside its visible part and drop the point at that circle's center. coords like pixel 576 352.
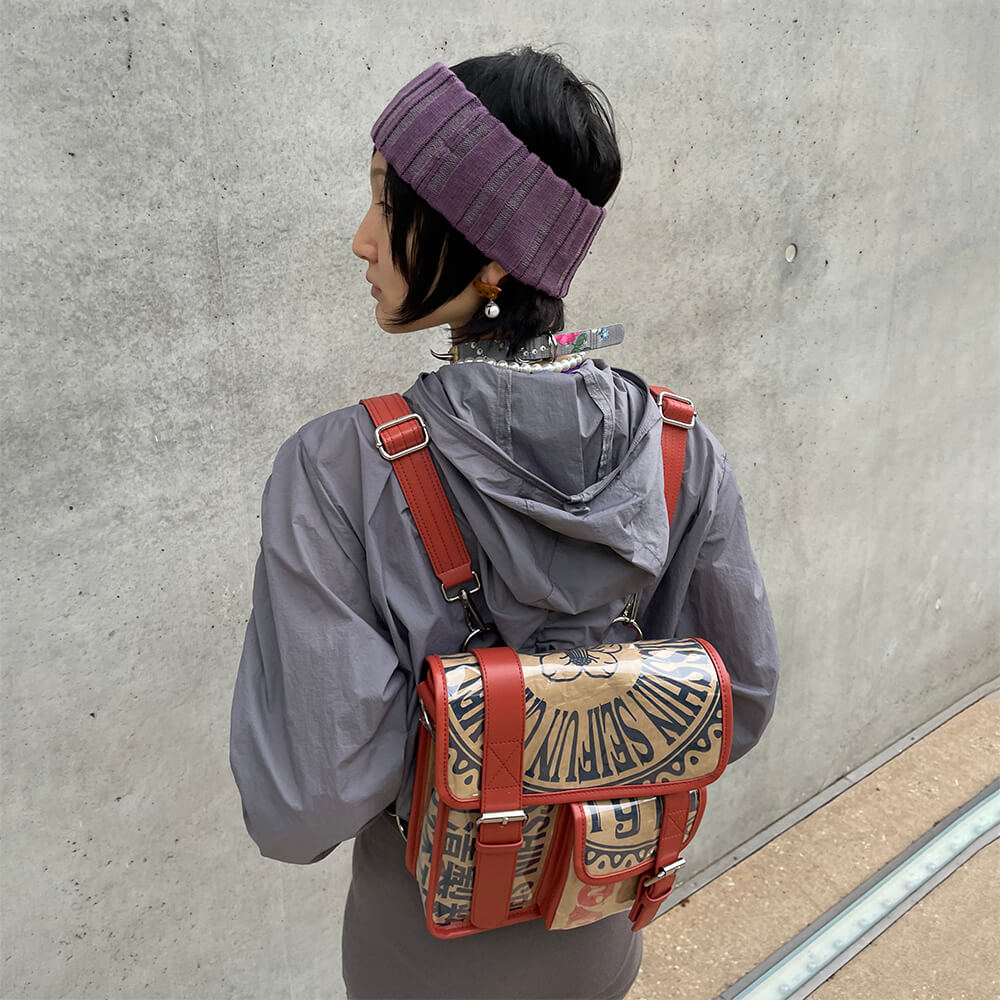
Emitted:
pixel 651 895
pixel 422 488
pixel 501 785
pixel 673 440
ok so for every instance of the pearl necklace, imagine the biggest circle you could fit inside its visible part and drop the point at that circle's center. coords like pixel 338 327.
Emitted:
pixel 563 364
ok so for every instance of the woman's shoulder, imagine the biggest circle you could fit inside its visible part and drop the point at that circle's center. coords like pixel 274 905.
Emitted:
pixel 708 450
pixel 336 430
pixel 336 451
pixel 706 462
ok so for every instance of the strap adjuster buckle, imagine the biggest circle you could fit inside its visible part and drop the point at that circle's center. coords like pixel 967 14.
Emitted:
pixel 385 453
pixel 503 818
pixel 666 394
pixel 664 872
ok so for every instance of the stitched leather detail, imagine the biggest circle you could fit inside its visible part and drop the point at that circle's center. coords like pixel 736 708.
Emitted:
pixel 423 491
pixel 497 844
pixel 506 757
pixel 672 830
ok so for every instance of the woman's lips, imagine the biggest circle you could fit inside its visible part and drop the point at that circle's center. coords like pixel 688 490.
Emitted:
pixel 376 291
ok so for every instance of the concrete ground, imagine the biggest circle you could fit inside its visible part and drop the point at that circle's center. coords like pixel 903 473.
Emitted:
pixel 944 948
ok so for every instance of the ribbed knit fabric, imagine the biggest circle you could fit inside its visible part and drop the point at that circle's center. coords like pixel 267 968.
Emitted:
pixel 469 167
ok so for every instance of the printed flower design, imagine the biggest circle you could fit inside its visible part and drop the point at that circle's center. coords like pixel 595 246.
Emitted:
pixel 576 340
pixel 568 664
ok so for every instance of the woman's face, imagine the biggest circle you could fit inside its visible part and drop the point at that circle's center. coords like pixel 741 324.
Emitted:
pixel 371 244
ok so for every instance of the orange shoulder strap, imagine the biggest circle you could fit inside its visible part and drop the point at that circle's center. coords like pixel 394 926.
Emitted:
pixel 678 418
pixel 401 438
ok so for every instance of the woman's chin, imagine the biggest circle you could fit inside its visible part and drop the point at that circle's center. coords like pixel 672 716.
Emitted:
pixel 383 320
pixel 389 327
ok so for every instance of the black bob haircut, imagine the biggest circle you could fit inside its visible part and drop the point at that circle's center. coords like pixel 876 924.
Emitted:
pixel 566 122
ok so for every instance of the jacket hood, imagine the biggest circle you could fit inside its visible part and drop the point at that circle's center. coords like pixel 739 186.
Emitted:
pixel 553 473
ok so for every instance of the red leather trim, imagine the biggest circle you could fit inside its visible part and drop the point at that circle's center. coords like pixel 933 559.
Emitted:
pixel 416 822
pixel 464 930
pixel 423 491
pixel 702 801
pixel 649 898
pixel 433 692
pixel 727 704
pixel 440 829
pixel 589 794
pixel 501 780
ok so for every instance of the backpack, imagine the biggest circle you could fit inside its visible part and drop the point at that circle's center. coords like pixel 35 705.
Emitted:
pixel 562 785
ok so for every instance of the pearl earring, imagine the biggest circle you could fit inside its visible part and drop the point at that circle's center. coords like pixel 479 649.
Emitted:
pixel 491 310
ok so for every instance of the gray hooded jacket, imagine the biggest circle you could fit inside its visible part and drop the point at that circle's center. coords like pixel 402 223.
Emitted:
pixel 556 481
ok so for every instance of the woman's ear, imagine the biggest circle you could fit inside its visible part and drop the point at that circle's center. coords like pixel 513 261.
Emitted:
pixel 492 273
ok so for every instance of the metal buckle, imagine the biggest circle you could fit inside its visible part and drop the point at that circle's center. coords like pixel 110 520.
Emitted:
pixel 680 399
pixel 503 818
pixel 464 591
pixel 664 872
pixel 406 451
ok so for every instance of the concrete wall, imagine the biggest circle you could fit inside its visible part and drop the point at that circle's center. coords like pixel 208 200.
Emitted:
pixel 181 183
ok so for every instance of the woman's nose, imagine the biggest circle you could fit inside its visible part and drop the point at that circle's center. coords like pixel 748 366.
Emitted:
pixel 363 245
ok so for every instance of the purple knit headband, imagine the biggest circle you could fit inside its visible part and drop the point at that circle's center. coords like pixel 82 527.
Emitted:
pixel 501 197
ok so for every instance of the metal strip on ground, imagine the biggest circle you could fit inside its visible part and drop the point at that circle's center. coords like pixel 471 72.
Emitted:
pixel 688 886
pixel 811 957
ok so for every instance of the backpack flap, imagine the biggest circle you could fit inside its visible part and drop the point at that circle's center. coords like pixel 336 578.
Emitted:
pixel 635 720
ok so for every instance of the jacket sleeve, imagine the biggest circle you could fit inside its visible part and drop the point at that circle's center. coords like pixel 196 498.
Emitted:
pixel 726 603
pixel 318 725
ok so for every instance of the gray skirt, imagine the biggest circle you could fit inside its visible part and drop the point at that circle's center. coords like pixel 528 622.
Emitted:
pixel 389 953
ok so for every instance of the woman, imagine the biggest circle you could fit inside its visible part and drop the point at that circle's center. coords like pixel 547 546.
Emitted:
pixel 487 186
